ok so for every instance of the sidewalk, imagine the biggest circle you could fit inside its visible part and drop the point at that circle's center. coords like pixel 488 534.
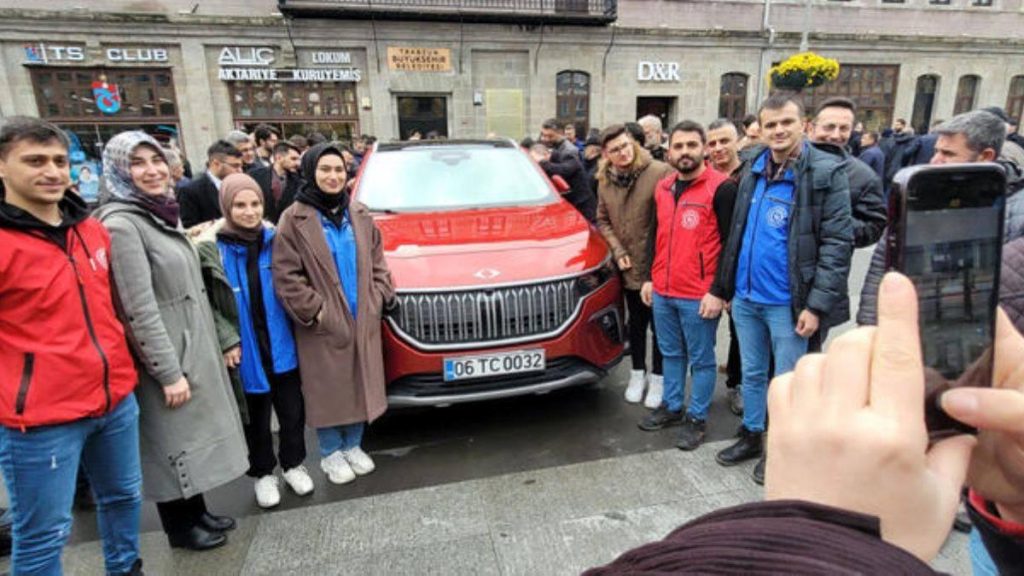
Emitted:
pixel 551 521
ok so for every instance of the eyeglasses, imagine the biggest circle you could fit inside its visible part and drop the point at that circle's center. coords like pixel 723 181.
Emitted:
pixel 619 149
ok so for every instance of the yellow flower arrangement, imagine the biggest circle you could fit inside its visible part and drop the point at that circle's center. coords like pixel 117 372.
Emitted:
pixel 803 70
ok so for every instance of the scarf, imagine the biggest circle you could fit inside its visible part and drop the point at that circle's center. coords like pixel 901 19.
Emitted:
pixel 232 186
pixel 332 206
pixel 117 179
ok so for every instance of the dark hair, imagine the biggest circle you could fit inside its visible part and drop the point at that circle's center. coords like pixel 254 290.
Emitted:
pixel 222 148
pixel 779 100
pixel 526 143
pixel 569 125
pixel 722 123
pixel 902 121
pixel 611 133
pixel 284 147
pixel 636 131
pixel 553 124
pixel 18 128
pixel 263 132
pixel 299 141
pixel 316 138
pixel 874 136
pixel 369 140
pixel 838 102
pixel 689 126
pixel 748 120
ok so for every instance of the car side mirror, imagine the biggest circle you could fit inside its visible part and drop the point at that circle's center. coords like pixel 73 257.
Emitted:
pixel 560 184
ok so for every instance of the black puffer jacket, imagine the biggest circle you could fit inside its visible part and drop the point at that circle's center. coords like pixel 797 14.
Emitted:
pixel 820 241
pixel 867 203
pixel 1013 228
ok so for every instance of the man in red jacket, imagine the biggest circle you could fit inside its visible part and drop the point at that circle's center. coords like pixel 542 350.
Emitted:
pixel 66 374
pixel 693 215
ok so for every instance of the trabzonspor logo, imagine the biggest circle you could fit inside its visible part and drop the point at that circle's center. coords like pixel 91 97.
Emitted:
pixel 777 216
pixel 691 218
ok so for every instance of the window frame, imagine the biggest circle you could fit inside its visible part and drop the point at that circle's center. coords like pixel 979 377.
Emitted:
pixel 573 101
pixel 964 101
pixel 730 105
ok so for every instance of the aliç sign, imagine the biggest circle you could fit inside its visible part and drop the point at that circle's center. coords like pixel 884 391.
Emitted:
pixel 250 64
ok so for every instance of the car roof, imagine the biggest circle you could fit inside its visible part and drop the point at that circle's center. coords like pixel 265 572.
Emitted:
pixel 456 144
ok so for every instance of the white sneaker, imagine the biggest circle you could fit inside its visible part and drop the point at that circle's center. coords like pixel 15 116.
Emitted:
pixel 360 461
pixel 298 480
pixel 655 391
pixel 635 388
pixel 267 493
pixel 337 469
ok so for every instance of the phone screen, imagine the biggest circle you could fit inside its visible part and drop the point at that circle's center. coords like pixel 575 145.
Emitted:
pixel 952 246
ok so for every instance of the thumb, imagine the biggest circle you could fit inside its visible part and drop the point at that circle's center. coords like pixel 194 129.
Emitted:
pixel 948 459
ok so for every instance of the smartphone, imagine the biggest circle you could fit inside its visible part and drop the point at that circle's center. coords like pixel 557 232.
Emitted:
pixel 946 235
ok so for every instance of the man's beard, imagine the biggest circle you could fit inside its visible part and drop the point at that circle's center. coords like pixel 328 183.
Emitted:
pixel 688 169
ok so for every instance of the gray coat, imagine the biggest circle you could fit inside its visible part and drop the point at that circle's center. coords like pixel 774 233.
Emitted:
pixel 164 308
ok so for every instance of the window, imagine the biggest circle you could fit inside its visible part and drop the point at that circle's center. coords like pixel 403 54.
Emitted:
pixel 892 1
pixel 872 87
pixel 71 93
pixel 924 101
pixel 966 93
pixel 982 2
pixel 1015 99
pixel 939 2
pixel 572 102
pixel 297 107
pixel 732 96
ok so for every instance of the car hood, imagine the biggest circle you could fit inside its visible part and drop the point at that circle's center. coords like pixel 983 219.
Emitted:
pixel 439 250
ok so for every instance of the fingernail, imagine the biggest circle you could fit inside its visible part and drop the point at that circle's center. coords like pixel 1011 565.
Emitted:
pixel 961 401
pixel 891 284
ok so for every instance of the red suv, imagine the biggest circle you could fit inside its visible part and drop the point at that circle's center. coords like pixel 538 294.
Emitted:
pixel 504 288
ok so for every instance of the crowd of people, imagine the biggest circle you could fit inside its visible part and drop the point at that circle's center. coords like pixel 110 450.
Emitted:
pixel 145 344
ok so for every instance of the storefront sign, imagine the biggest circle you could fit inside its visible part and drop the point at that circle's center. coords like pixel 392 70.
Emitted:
pixel 331 57
pixel 657 72
pixel 128 55
pixel 290 74
pixel 46 53
pixel 247 56
pixel 106 95
pixel 420 59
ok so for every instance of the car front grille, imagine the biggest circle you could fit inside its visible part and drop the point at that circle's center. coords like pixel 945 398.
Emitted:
pixel 489 315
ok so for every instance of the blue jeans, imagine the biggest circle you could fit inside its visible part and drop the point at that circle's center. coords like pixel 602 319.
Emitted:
pixel 40 467
pixel 981 561
pixel 335 438
pixel 686 338
pixel 764 331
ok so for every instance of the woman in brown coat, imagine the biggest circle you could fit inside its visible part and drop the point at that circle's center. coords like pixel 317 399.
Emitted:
pixel 330 274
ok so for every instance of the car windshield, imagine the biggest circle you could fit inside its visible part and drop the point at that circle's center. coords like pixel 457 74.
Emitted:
pixel 450 178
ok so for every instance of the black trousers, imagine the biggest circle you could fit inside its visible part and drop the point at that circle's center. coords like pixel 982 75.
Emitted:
pixel 733 366
pixel 180 516
pixel 285 397
pixel 640 316
pixel 816 340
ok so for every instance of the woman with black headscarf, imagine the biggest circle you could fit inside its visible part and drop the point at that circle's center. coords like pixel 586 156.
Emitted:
pixel 330 274
pixel 190 432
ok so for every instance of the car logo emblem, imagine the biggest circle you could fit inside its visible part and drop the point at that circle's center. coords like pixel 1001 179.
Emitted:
pixel 487 274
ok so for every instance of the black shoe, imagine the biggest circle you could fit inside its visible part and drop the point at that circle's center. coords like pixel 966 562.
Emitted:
pixel 746 448
pixel 136 569
pixel 198 539
pixel 759 471
pixel 735 396
pixel 660 418
pixel 692 434
pixel 217 523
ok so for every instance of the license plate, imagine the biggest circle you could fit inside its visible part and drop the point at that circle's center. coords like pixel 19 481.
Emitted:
pixel 499 364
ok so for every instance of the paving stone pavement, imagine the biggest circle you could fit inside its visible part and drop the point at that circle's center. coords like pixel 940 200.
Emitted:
pixel 552 521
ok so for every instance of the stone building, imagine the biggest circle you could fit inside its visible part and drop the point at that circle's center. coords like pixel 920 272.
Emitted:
pixel 193 69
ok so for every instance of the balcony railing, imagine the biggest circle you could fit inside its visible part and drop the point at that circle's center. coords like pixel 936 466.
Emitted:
pixel 579 12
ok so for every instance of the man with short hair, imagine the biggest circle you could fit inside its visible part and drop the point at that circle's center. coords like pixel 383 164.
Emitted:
pixel 571 136
pixel 243 142
pixel 625 208
pixel 200 198
pixel 652 136
pixel 564 161
pixel 786 261
pixel 66 373
pixel 1011 151
pixel 871 154
pixel 266 137
pixel 900 153
pixel 693 210
pixel 280 181
pixel 723 150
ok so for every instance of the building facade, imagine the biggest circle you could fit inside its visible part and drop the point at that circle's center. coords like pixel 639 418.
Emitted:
pixel 190 71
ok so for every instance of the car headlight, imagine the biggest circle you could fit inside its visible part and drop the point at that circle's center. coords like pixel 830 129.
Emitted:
pixel 596 278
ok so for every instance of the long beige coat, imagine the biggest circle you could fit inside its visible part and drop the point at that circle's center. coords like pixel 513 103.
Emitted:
pixel 624 216
pixel 163 305
pixel 341 359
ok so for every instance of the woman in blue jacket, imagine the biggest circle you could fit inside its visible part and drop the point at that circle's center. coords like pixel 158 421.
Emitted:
pixel 268 366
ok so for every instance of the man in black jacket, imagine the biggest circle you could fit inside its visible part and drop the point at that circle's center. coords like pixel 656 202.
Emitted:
pixel 785 265
pixel 280 181
pixel 200 198
pixel 564 161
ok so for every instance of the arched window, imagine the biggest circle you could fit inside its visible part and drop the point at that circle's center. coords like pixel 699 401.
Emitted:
pixel 1015 99
pixel 572 100
pixel 966 93
pixel 732 96
pixel 924 101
